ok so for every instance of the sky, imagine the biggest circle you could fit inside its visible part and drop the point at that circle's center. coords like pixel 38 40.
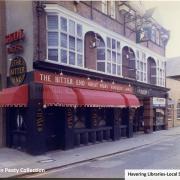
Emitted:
pixel 167 13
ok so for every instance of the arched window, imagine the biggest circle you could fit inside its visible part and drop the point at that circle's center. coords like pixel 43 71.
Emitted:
pixel 178 110
pixel 151 71
pixel 94 51
pixel 100 54
pixel 128 63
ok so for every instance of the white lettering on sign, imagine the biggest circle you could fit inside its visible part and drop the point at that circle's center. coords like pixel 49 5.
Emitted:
pixel 159 102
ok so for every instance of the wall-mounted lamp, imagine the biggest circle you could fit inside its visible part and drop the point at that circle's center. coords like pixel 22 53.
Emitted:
pixel 61 73
pixel 94 43
pixel 44 106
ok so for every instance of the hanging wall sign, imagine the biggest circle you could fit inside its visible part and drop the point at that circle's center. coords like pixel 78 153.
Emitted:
pixel 17 71
pixel 69 117
pixel 39 119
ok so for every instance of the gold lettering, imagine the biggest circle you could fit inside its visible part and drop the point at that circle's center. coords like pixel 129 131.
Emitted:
pixel 68 81
pixel 44 77
pixel 92 84
pixel 80 82
pixel 103 86
pixel 58 79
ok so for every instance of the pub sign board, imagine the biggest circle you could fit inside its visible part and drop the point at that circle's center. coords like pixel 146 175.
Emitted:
pixel 79 82
pixel 17 71
pixel 13 41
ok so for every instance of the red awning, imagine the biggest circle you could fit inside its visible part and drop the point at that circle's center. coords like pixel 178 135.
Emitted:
pixel 93 98
pixel 14 97
pixel 131 100
pixel 59 96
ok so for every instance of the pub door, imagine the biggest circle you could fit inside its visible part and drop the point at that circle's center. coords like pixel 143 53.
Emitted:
pixel 54 123
pixel 138 122
pixel 16 128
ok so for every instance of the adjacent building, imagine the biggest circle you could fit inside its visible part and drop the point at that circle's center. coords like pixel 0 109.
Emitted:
pixel 173 82
pixel 81 72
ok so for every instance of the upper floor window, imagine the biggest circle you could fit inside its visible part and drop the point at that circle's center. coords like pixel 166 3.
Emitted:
pixel 151 71
pixel 160 73
pixel 170 112
pixel 101 54
pixel 65 40
pixel 108 7
pixel 104 5
pixel 114 63
pixel 141 66
pixel 128 63
pixel 153 35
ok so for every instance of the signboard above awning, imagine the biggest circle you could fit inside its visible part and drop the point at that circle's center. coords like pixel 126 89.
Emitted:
pixel 79 82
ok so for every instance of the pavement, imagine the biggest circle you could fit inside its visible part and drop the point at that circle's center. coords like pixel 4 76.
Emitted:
pixel 12 160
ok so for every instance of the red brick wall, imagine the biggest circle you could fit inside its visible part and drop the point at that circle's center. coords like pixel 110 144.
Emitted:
pixel 90 53
pixel 84 9
pixel 148 115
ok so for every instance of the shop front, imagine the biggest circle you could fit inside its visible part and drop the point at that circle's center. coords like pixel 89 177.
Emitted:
pixel 57 111
pixel 151 115
pixel 159 113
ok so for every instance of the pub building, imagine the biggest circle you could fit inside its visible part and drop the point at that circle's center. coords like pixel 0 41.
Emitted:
pixel 86 83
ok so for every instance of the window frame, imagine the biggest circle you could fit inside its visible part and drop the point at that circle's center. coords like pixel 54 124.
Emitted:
pixel 109 8
pixel 170 112
pixel 117 52
pixel 178 110
pixel 141 73
pixel 68 34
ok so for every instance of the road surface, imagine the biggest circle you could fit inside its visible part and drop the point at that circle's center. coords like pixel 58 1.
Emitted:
pixel 163 155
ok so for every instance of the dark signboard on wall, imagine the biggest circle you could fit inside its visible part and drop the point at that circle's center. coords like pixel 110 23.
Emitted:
pixel 142 91
pixel 17 71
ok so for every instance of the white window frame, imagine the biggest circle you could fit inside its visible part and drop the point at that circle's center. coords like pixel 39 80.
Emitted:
pixel 59 30
pixel 110 61
pixel 141 72
pixel 104 6
pixel 109 8
pixel 113 9
pixel 102 61
pixel 161 73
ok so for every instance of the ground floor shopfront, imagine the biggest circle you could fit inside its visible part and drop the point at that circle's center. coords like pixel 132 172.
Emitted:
pixel 58 111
